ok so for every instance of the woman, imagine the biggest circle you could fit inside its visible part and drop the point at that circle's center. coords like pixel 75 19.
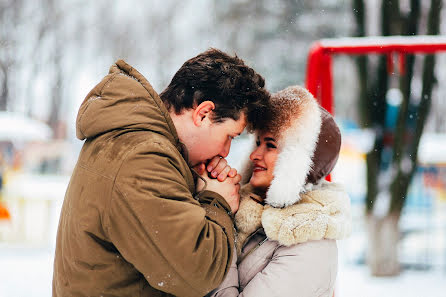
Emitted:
pixel 289 217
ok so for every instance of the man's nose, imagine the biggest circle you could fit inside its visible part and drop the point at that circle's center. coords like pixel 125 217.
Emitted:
pixel 225 151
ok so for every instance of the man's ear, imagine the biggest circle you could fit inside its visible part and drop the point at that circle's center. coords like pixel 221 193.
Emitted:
pixel 202 112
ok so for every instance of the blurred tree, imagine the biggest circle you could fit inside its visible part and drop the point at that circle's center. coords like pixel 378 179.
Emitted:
pixel 391 164
pixel 28 57
pixel 54 19
pixel 4 86
pixel 9 11
pixel 275 35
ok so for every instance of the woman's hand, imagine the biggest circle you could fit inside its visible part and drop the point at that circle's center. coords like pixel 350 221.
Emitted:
pixel 228 189
pixel 218 168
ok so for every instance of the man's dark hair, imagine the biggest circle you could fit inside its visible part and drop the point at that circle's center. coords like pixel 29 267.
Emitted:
pixel 232 86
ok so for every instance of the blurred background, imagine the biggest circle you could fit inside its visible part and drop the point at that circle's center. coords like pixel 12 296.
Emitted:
pixel 393 158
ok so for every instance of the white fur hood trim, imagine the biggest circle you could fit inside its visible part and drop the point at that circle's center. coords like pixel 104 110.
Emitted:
pixel 248 217
pixel 322 213
pixel 295 159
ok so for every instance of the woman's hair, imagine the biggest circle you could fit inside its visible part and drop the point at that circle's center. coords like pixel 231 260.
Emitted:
pixel 226 81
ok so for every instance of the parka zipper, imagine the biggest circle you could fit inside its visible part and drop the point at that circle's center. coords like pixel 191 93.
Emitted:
pixel 254 248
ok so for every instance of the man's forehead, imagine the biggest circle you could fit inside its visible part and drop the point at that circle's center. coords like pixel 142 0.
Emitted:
pixel 236 126
pixel 241 123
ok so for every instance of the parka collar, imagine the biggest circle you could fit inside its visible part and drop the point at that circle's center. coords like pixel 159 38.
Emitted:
pixel 322 213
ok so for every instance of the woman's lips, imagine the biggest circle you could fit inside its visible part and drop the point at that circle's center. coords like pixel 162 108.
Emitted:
pixel 258 169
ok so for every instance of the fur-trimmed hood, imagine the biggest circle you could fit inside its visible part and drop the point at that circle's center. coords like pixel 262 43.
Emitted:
pixel 309 142
pixel 323 213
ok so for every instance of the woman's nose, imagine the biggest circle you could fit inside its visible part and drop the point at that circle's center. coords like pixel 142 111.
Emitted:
pixel 256 154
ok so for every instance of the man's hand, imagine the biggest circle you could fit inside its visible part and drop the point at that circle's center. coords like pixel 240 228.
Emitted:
pixel 218 168
pixel 228 189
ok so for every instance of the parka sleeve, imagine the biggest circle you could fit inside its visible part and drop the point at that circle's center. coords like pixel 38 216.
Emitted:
pixel 182 246
pixel 230 285
pixel 304 270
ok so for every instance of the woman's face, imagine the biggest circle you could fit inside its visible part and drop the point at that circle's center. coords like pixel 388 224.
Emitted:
pixel 264 159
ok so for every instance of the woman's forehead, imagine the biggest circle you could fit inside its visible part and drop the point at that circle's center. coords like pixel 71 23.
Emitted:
pixel 265 136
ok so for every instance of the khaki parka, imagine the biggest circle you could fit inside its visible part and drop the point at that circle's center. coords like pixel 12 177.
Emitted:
pixel 131 224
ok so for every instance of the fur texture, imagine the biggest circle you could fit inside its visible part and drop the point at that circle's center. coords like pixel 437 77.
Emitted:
pixel 247 219
pixel 323 213
pixel 300 123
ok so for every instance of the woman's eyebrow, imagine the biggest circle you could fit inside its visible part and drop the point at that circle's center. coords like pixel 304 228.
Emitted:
pixel 269 139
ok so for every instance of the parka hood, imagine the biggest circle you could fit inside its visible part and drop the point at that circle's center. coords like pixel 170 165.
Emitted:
pixel 123 100
pixel 309 142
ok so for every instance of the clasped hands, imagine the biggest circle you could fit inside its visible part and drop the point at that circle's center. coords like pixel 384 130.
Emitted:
pixel 222 179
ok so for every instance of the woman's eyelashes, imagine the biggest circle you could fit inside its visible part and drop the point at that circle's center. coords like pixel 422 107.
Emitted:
pixel 268 144
pixel 271 145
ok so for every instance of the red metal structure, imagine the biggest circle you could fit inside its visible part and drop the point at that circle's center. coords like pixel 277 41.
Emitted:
pixel 319 68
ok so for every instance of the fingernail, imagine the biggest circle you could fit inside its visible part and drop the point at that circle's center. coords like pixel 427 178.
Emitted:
pixel 214 173
pixel 210 168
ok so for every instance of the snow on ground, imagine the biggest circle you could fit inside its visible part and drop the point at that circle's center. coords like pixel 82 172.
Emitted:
pixel 26 271
pixel 356 281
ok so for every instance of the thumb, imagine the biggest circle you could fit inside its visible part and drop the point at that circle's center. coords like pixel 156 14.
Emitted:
pixel 200 168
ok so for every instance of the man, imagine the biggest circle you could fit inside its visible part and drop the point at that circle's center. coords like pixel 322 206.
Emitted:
pixel 133 222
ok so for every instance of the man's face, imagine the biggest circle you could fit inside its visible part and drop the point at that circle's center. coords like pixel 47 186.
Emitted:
pixel 215 139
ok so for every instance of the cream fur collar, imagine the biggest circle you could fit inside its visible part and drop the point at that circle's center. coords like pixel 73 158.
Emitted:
pixel 322 213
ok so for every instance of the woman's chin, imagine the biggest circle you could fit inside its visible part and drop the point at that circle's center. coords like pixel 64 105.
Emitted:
pixel 258 183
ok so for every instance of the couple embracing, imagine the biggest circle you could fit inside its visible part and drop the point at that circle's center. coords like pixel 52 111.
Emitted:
pixel 153 208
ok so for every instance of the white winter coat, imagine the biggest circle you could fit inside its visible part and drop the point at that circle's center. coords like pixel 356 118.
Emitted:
pixel 288 251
